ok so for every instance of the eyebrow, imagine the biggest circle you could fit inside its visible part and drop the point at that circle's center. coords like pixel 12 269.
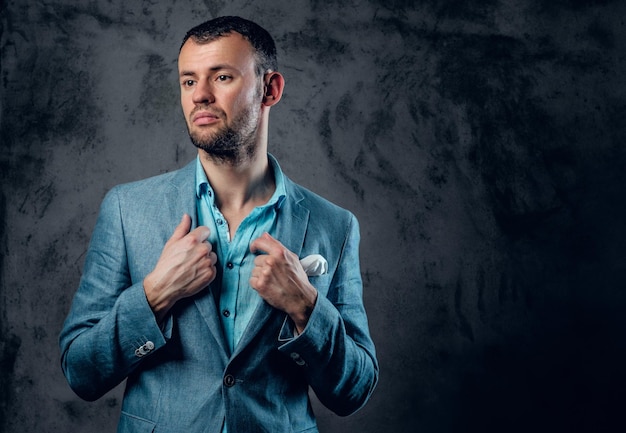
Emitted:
pixel 186 73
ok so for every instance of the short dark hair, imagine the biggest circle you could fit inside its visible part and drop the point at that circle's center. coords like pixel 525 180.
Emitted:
pixel 259 38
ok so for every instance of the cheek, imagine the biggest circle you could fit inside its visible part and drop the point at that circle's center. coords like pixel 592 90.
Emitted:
pixel 186 104
pixel 244 100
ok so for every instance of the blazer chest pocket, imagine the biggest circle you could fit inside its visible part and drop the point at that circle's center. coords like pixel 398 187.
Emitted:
pixel 133 424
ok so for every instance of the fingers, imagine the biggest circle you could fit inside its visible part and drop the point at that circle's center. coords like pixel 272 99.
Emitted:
pixel 265 244
pixel 273 261
pixel 199 234
pixel 279 278
pixel 181 229
pixel 186 266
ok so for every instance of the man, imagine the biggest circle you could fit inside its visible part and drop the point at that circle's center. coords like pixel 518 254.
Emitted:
pixel 218 326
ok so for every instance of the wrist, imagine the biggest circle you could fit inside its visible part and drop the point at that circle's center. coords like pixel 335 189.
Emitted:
pixel 158 302
pixel 301 317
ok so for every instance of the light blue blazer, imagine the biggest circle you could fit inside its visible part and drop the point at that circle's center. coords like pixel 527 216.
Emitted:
pixel 180 375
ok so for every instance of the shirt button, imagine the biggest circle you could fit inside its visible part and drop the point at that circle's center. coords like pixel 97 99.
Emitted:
pixel 220 222
pixel 226 313
pixel 229 265
pixel 229 380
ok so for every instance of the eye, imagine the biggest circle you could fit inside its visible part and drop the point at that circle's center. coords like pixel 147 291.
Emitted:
pixel 223 77
pixel 188 83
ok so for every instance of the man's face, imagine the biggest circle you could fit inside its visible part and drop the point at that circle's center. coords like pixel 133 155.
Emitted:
pixel 221 96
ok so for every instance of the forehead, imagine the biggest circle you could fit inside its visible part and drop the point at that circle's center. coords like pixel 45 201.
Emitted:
pixel 232 50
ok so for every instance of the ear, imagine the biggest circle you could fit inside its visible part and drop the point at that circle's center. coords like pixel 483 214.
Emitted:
pixel 273 85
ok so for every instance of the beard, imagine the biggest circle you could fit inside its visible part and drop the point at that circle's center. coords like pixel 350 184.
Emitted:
pixel 231 144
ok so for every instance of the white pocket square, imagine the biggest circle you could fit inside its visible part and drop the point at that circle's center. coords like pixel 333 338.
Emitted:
pixel 314 265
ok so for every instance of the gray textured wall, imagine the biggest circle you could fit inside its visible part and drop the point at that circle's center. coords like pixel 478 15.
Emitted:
pixel 481 145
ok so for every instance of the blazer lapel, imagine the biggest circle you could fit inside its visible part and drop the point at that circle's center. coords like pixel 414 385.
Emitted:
pixel 293 219
pixel 183 200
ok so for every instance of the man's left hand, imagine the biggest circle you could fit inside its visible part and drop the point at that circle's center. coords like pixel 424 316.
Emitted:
pixel 279 278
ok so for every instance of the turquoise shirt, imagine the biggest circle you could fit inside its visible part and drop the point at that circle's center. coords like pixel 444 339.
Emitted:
pixel 237 300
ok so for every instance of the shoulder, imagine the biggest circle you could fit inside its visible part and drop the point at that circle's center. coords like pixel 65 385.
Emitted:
pixel 155 184
pixel 318 206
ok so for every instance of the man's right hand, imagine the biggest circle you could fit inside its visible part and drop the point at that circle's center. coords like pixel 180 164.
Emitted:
pixel 186 266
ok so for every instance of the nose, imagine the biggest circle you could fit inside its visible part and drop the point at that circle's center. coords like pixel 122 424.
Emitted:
pixel 203 93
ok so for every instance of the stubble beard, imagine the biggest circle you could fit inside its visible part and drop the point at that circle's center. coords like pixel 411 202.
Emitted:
pixel 232 144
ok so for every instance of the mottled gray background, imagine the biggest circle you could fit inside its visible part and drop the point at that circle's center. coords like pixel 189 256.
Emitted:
pixel 481 145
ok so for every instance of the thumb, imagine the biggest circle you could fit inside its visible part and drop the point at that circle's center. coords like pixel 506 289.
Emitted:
pixel 182 228
pixel 263 244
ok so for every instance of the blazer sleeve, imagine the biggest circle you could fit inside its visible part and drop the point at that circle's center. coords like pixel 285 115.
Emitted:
pixel 110 327
pixel 335 351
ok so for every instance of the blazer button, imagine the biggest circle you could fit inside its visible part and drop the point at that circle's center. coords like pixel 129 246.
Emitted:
pixel 297 359
pixel 229 380
pixel 144 350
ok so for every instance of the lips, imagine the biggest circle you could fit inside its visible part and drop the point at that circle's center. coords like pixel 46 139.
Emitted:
pixel 204 118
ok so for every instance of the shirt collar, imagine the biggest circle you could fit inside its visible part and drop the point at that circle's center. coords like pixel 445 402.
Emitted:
pixel 204 187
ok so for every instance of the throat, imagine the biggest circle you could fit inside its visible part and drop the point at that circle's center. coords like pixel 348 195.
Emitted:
pixel 233 221
pixel 235 211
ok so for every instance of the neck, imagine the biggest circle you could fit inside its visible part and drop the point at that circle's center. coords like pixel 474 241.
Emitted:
pixel 242 186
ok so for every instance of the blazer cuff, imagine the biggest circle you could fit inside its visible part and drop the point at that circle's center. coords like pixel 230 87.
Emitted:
pixel 287 331
pixel 324 318
pixel 146 335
